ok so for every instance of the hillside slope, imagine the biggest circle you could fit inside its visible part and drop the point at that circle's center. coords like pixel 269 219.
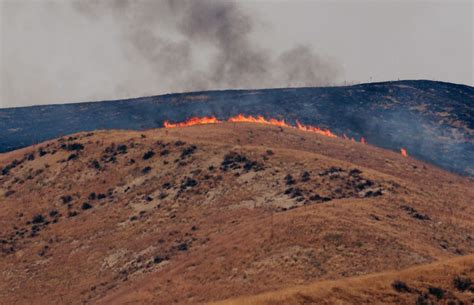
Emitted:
pixel 433 120
pixel 212 212
pixel 442 282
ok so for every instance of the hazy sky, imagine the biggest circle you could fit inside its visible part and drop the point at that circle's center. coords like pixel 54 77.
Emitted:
pixel 58 51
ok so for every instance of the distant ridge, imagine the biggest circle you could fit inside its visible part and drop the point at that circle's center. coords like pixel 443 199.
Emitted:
pixel 432 120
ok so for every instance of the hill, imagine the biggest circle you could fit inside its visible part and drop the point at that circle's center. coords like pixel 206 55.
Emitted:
pixel 432 120
pixel 213 212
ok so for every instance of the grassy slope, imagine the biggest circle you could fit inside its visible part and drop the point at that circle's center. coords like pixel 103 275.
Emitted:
pixel 243 232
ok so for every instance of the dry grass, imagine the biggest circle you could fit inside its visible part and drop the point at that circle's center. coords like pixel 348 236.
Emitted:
pixel 186 230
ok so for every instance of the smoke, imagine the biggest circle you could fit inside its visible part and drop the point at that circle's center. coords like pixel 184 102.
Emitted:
pixel 78 50
pixel 222 28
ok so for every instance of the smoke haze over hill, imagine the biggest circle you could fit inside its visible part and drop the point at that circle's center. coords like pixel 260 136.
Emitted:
pixel 66 51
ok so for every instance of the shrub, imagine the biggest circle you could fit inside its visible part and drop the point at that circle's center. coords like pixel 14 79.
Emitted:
pixel 66 199
pixel 72 214
pixel 188 182
pixel 148 154
pixel 72 147
pixel 463 283
pixel 146 170
pixel 95 164
pixel 41 152
pixel 400 286
pixel 38 219
pixel 188 151
pixel 86 206
pixel 101 196
pixel 422 299
pixel 289 180
pixel 122 149
pixel 158 259
pixel 182 247
pixel 72 157
pixel 437 292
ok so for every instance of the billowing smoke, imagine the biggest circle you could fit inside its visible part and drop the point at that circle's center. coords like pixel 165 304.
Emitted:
pixel 169 36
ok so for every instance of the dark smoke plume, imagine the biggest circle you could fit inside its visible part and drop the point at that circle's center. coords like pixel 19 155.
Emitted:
pixel 223 29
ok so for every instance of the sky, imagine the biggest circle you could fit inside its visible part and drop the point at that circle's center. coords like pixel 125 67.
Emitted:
pixel 62 51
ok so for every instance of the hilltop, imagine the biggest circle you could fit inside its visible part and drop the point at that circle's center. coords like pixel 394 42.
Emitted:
pixel 224 211
pixel 432 120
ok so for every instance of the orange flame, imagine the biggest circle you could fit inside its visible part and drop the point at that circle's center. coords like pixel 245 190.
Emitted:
pixel 193 121
pixel 324 132
pixel 258 119
pixel 403 151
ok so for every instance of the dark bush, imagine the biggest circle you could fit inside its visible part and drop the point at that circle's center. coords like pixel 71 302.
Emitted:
pixel 72 214
pixel 363 184
pixel 463 283
pixel 146 170
pixel 31 156
pixel 188 151
pixel 183 247
pixel 38 219
pixel 289 180
pixel 41 152
pixel 355 172
pixel 305 177
pixel 414 213
pixel 400 286
pixel 5 170
pixel 53 213
pixel 164 152
pixel 422 299
pixel 436 291
pixel 72 146
pixel 256 166
pixel 122 149
pixel 293 192
pixel 148 154
pixel 188 182
pixel 86 206
pixel 232 160
pixel 319 198
pixel 101 196
pixel 158 259
pixel 179 143
pixel 331 170
pixel 95 164
pixel 92 196
pixel 66 199
pixel 72 157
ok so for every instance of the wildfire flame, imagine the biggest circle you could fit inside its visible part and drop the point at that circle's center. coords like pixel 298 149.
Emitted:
pixel 193 121
pixel 258 119
pixel 403 151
